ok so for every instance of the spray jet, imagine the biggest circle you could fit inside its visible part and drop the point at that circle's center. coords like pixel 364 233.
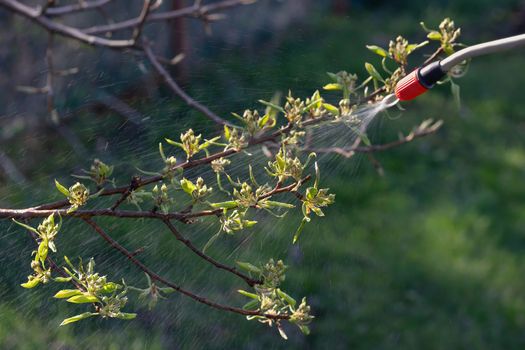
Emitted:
pixel 424 78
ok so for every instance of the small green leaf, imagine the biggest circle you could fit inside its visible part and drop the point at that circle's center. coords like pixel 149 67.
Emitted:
pixel 27 227
pixel 42 251
pixel 82 299
pixel 67 293
pixel 248 267
pixel 110 287
pixel 208 143
pixel 274 204
pixel 373 71
pixel 248 294
pixel 434 35
pixel 61 188
pixel 78 318
pixel 161 151
pixel 331 108
pixel 62 279
pixel 299 230
pixel 187 186
pixel 377 50
pixel 174 143
pixel 291 301
pixel 455 89
pixel 305 329
pixel 126 316
pixel 225 205
pixel 333 86
pixel 31 283
pixel 227 132
pixel 413 47
pixel 272 105
pixel 251 305
pixel 282 333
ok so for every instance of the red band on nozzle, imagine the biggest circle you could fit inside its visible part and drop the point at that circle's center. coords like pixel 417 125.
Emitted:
pixel 410 87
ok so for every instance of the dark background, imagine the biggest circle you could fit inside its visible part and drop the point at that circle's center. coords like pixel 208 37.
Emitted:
pixel 431 255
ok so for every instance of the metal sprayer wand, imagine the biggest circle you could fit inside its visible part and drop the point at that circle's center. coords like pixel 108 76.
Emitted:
pixel 424 78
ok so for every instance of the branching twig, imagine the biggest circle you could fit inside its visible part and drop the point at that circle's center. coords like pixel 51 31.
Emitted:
pixel 426 128
pixel 164 281
pixel 190 11
pixel 62 29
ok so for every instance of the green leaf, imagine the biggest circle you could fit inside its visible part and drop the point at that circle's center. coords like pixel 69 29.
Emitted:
pixel 225 205
pixel 174 143
pixel 331 108
pixel 291 301
pixel 31 283
pixel 126 316
pixel 187 186
pixel 248 294
pixel 333 76
pixel 27 227
pixel 249 223
pixel 263 120
pixel 161 151
pixel 82 299
pixel 110 287
pixel 272 105
pixel 42 251
pixel 227 132
pixel 251 305
pixel 305 329
pixel 281 332
pixel 274 204
pixel 208 143
pixel 311 192
pixel 62 279
pixel 61 188
pixel 412 47
pixel 434 35
pixel 67 293
pixel 377 50
pixel 333 86
pixel 455 89
pixel 248 267
pixel 373 71
pixel 78 318
pixel 299 230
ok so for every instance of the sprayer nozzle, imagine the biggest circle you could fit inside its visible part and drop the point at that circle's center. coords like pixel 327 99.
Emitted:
pixel 419 81
pixel 409 87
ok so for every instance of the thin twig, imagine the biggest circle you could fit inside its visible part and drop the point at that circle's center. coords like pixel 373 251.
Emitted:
pixel 73 8
pixel 251 282
pixel 178 90
pixel 141 19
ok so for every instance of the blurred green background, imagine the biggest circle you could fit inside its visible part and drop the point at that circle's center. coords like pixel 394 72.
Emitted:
pixel 431 255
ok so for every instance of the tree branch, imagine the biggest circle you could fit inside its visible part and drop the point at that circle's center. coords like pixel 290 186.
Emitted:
pixel 130 256
pixel 190 11
pixel 426 128
pixel 61 29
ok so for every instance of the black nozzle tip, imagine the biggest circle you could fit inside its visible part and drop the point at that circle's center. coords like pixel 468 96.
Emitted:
pixel 430 74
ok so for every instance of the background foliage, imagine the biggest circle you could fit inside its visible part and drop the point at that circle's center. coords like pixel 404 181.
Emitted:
pixel 430 255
